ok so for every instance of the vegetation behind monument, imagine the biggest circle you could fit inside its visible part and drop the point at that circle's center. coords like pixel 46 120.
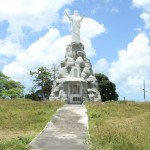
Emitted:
pixel 106 88
pixel 43 80
pixel 9 88
pixel 42 84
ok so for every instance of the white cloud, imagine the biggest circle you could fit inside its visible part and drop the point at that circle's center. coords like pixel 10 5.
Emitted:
pixel 145 16
pixel 146 19
pixel 89 50
pixel 46 50
pixel 144 4
pixel 34 14
pixel 101 66
pixel 133 65
pixel 16 71
pixel 91 28
pixel 8 48
pixel 131 68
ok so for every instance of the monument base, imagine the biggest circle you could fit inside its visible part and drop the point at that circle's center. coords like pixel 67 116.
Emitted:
pixel 75 81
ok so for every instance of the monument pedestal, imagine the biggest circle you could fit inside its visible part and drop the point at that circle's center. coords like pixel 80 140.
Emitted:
pixel 75 82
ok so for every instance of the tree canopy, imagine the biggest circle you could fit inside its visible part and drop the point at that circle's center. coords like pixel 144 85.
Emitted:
pixel 42 84
pixel 106 88
pixel 10 88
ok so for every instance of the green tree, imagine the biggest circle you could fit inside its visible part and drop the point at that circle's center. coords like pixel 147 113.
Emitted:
pixel 3 80
pixel 9 87
pixel 42 84
pixel 106 88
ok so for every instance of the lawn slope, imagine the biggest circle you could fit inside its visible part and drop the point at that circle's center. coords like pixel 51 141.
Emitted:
pixel 119 125
pixel 21 120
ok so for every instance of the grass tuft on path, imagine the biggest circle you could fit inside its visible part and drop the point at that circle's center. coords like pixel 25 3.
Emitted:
pixel 21 120
pixel 119 125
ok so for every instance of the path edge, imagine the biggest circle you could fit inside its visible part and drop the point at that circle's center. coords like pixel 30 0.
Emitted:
pixel 29 146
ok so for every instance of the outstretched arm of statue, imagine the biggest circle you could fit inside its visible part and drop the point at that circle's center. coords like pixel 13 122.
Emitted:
pixel 82 18
pixel 70 18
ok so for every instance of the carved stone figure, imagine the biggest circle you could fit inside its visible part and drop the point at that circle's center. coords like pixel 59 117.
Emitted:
pixel 75 26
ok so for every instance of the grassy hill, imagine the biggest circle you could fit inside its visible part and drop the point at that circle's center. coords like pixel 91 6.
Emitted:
pixel 119 125
pixel 112 125
pixel 22 120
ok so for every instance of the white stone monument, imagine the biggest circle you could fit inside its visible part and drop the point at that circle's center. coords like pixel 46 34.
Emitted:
pixel 76 81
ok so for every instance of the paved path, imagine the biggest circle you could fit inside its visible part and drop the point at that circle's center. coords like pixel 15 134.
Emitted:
pixel 66 131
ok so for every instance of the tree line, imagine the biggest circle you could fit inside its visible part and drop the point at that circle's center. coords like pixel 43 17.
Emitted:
pixel 42 79
pixel 9 88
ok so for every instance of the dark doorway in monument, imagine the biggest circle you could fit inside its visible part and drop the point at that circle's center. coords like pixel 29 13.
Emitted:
pixel 75 93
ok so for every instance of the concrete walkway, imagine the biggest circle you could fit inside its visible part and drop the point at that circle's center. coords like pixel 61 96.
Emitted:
pixel 66 131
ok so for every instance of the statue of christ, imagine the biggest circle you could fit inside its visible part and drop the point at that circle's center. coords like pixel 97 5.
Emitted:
pixel 75 26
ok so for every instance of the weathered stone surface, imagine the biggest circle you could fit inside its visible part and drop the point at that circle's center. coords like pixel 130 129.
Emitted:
pixel 80 53
pixel 70 62
pixel 62 72
pixel 75 81
pixel 79 62
pixel 87 71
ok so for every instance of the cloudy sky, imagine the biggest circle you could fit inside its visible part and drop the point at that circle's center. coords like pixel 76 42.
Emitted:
pixel 115 34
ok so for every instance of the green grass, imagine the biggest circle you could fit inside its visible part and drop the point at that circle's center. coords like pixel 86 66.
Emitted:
pixel 119 125
pixel 21 120
pixel 112 125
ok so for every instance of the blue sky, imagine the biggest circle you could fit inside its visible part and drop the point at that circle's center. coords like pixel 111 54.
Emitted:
pixel 115 33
